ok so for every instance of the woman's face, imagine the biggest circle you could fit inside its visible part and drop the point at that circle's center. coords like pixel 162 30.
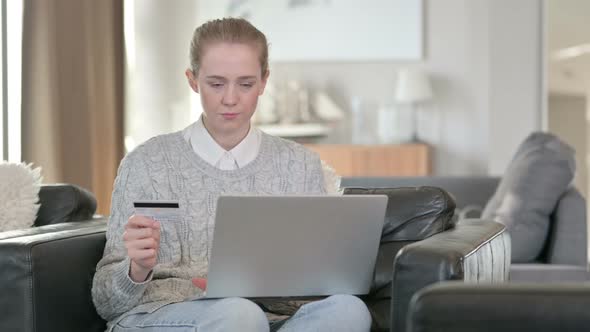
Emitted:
pixel 229 82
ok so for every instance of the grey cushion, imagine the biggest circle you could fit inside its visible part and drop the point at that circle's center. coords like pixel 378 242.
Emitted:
pixel 540 172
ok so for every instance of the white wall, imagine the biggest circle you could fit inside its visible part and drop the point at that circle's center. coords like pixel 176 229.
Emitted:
pixel 483 55
pixel 516 69
pixel 157 92
pixel 567 119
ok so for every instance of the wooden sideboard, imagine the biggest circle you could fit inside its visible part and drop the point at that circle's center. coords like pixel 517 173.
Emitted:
pixel 376 160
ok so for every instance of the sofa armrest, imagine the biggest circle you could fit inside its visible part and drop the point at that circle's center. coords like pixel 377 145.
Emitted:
pixel 96 220
pixel 474 251
pixel 461 307
pixel 46 279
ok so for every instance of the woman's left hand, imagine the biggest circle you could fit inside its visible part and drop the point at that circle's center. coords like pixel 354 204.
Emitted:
pixel 200 283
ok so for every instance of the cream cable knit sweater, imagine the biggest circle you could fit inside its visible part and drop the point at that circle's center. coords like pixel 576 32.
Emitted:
pixel 166 168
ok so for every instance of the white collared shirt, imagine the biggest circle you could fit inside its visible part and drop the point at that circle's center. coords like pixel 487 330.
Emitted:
pixel 245 152
pixel 205 147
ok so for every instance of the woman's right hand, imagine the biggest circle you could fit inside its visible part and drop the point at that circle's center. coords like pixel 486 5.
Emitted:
pixel 142 240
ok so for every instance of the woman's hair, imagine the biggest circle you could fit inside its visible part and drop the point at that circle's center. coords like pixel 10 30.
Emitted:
pixel 231 30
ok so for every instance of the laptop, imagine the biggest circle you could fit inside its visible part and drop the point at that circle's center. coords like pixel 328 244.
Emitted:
pixel 294 246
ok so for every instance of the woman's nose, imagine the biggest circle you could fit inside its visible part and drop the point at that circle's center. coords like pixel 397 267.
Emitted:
pixel 230 96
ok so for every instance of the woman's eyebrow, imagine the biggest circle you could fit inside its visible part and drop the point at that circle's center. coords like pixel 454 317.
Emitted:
pixel 216 77
pixel 241 78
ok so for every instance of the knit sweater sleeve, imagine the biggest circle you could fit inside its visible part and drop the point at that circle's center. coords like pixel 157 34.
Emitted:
pixel 331 179
pixel 113 291
pixel 314 177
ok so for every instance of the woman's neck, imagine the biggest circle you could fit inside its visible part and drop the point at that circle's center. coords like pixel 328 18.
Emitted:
pixel 228 141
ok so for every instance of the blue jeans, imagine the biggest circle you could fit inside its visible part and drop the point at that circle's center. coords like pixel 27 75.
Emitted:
pixel 336 313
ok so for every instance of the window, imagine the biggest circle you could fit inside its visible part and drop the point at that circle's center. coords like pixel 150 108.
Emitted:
pixel 11 21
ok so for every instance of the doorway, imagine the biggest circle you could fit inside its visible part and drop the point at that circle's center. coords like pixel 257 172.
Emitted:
pixel 567 55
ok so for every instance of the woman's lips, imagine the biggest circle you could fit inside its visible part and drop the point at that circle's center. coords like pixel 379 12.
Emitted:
pixel 229 116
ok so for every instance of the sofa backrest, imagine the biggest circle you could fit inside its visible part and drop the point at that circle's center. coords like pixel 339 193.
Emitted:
pixel 466 190
pixel 413 213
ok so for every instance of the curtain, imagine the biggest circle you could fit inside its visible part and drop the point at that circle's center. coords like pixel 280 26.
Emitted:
pixel 72 92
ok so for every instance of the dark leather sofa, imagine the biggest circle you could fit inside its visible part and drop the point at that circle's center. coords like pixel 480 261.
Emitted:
pixel 522 307
pixel 565 253
pixel 46 272
pixel 421 244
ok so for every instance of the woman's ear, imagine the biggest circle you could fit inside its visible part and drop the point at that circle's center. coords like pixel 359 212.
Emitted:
pixel 264 80
pixel 192 80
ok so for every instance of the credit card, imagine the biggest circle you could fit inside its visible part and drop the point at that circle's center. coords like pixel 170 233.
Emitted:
pixel 158 210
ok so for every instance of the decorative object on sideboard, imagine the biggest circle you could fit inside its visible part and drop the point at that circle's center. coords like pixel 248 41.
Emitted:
pixel 289 106
pixel 326 109
pixel 290 110
pixel 413 89
pixel 266 110
pixel 392 124
pixel 362 121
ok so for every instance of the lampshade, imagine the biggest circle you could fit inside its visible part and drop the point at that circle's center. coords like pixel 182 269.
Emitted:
pixel 413 85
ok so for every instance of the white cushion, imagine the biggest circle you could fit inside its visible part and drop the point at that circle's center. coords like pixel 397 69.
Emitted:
pixel 19 190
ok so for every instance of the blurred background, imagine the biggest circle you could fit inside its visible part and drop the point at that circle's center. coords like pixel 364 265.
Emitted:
pixel 426 87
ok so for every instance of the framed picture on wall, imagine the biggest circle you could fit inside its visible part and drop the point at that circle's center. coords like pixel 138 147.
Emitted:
pixel 330 30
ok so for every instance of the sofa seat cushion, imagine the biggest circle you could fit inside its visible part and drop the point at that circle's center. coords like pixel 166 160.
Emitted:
pixel 548 273
pixel 540 172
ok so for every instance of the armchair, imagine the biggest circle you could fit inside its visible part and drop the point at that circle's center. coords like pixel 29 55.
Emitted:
pixel 421 245
pixel 460 307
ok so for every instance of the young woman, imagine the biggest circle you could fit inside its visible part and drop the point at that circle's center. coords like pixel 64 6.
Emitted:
pixel 150 269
